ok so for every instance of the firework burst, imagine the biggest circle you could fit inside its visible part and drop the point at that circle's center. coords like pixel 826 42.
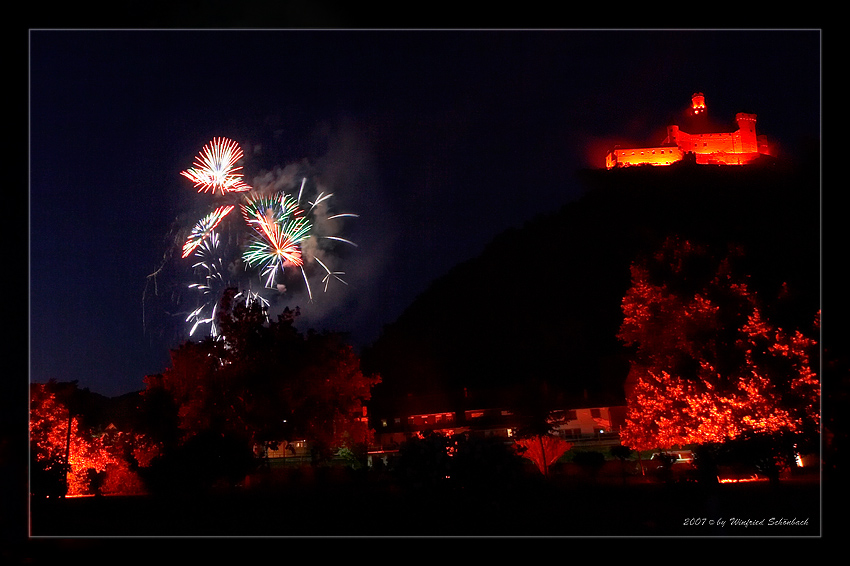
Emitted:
pixel 280 228
pixel 215 168
pixel 272 241
pixel 204 228
pixel 211 268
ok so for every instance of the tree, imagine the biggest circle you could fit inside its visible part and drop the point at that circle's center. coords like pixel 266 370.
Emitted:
pixel 262 381
pixel 707 366
pixel 543 450
pixel 48 433
pixel 66 455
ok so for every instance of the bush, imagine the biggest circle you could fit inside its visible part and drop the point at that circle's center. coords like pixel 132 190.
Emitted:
pixel 202 462
pixel 459 461
pixel 47 477
pixel 590 461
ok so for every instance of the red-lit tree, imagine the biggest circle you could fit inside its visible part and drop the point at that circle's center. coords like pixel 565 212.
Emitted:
pixel 543 450
pixel 326 398
pixel 707 365
pixel 66 456
pixel 266 382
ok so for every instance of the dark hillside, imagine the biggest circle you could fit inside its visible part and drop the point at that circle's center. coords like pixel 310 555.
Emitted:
pixel 542 303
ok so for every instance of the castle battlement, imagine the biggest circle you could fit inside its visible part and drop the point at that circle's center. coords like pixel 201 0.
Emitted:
pixel 727 148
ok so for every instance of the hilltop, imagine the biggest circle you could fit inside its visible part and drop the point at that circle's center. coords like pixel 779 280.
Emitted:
pixel 542 302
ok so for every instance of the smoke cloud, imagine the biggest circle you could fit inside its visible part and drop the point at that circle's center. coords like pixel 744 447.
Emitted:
pixel 347 172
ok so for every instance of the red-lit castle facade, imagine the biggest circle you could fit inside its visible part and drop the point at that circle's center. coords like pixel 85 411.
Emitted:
pixel 740 147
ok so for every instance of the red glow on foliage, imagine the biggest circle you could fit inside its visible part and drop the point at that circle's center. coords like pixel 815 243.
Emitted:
pixel 741 480
pixel 697 376
pixel 543 450
pixel 86 453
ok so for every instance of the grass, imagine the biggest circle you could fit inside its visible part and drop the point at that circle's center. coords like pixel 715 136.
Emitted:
pixel 338 503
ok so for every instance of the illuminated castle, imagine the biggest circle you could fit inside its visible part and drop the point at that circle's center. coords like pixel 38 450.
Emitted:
pixel 708 147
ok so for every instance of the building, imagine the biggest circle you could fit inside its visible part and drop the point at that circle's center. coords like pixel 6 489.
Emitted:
pixel 739 147
pixel 488 414
pixel 589 422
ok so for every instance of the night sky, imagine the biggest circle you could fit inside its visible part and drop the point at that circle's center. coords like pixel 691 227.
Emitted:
pixel 438 140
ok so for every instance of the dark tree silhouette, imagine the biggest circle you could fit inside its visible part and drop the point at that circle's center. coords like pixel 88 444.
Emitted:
pixel 458 461
pixel 590 461
pixel 264 382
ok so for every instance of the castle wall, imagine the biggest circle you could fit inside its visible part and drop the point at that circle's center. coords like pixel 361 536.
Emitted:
pixel 707 143
pixel 726 158
pixel 662 155
pixel 763 145
pixel 735 148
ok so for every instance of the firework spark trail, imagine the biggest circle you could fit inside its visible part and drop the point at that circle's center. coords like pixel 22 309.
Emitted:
pixel 321 197
pixel 330 274
pixel 301 190
pixel 307 284
pixel 337 238
pixel 210 263
pixel 251 297
pixel 204 228
pixel 215 168
pixel 210 260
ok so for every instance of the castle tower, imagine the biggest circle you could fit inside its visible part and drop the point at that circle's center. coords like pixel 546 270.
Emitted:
pixel 672 135
pixel 747 132
pixel 697 103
